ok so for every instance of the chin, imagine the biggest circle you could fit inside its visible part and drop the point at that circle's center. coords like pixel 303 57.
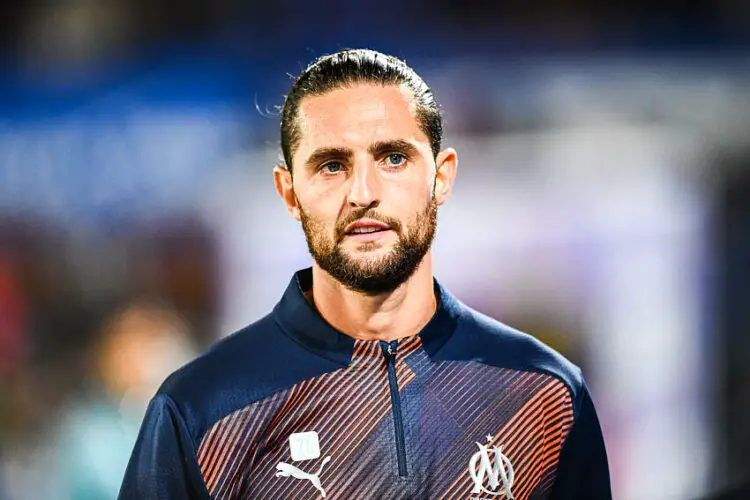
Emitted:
pixel 370 257
pixel 370 252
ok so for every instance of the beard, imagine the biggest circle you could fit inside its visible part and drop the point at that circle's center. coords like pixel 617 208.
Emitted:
pixel 371 275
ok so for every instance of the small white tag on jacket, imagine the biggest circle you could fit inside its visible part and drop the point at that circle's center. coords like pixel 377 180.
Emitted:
pixel 304 445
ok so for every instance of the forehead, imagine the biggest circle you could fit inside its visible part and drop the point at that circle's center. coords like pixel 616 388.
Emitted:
pixel 357 116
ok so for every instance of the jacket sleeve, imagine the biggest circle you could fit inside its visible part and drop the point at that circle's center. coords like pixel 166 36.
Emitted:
pixel 163 464
pixel 583 470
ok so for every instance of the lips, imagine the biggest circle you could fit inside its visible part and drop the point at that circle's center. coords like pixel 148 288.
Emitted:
pixel 366 230
pixel 366 226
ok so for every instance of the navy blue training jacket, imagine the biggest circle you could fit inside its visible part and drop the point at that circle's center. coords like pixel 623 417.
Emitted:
pixel 290 408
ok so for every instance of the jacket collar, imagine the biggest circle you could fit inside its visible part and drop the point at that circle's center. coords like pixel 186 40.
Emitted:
pixel 300 320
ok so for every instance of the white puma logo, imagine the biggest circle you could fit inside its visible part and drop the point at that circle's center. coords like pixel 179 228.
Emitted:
pixel 286 470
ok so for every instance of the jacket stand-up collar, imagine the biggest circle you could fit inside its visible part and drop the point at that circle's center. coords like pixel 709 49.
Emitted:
pixel 300 320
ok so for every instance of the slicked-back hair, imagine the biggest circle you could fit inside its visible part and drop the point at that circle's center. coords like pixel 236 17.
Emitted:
pixel 353 66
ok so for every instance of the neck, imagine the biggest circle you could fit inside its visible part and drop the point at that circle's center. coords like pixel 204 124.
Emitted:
pixel 388 316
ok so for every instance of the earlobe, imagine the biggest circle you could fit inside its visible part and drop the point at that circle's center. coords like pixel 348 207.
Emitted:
pixel 446 164
pixel 284 186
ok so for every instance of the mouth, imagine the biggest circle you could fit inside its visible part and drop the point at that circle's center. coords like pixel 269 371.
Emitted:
pixel 366 230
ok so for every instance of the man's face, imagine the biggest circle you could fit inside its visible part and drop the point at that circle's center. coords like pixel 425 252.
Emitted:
pixel 364 178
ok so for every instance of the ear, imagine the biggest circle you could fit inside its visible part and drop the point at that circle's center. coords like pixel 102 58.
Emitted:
pixel 282 177
pixel 446 164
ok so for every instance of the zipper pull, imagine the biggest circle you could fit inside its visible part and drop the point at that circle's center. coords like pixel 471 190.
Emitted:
pixel 389 349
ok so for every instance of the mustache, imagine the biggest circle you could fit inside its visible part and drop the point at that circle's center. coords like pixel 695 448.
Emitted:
pixel 363 213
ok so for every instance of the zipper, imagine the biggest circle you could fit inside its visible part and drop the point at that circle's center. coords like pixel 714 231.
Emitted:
pixel 389 352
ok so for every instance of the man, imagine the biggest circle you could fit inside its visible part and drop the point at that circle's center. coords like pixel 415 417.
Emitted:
pixel 369 379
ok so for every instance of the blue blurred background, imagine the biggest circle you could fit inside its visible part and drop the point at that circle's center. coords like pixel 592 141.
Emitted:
pixel 602 204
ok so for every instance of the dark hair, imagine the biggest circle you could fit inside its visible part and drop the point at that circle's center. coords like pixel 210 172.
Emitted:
pixel 358 66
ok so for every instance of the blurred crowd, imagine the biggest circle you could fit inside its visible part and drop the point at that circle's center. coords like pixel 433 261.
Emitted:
pixel 85 346
pixel 604 145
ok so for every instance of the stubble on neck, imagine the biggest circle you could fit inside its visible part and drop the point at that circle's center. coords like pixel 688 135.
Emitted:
pixel 388 316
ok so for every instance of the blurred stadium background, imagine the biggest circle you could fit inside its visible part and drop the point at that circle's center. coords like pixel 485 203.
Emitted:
pixel 602 204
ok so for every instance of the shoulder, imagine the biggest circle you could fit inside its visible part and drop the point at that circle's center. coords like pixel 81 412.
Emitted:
pixel 481 338
pixel 243 368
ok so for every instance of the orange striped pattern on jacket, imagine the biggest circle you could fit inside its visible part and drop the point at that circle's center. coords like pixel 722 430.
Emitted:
pixel 448 408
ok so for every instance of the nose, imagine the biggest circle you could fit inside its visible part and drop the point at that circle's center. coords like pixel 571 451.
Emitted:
pixel 365 185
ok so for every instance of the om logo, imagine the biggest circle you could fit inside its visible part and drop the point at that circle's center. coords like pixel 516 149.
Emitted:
pixel 499 471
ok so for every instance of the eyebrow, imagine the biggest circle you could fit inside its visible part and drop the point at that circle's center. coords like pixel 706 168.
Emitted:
pixel 381 148
pixel 376 149
pixel 329 153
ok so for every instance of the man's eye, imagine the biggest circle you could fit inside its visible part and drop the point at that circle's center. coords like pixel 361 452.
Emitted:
pixel 395 160
pixel 332 168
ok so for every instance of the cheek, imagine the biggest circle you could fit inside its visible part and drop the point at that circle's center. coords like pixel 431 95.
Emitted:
pixel 319 211
pixel 322 196
pixel 423 181
pixel 413 195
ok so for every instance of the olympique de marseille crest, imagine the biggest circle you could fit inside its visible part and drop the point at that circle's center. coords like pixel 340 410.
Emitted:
pixel 491 466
